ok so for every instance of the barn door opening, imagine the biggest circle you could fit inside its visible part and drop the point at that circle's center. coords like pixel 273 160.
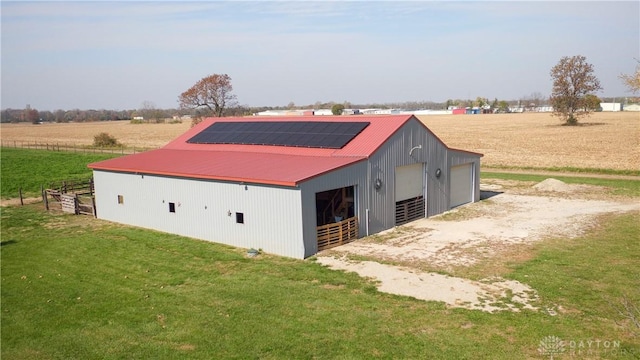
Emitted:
pixel 336 220
pixel 409 193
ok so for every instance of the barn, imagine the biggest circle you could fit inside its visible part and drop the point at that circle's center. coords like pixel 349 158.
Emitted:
pixel 290 186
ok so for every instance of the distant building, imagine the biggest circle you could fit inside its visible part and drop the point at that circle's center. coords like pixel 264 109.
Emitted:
pixel 611 106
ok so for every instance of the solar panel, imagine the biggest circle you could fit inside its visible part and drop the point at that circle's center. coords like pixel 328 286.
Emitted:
pixel 315 134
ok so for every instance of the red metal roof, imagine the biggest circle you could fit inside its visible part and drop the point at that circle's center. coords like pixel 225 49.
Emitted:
pixel 276 165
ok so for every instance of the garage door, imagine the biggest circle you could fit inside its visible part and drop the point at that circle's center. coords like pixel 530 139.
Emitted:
pixel 409 193
pixel 461 184
pixel 409 181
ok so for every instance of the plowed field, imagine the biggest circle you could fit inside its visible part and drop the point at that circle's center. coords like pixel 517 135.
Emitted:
pixel 604 140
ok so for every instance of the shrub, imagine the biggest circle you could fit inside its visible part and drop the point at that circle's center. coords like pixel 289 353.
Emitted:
pixel 105 140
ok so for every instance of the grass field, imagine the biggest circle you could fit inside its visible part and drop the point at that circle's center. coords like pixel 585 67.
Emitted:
pixel 607 140
pixel 30 169
pixel 75 287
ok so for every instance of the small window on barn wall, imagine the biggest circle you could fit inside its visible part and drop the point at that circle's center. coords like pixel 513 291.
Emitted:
pixel 172 207
pixel 240 218
pixel 120 199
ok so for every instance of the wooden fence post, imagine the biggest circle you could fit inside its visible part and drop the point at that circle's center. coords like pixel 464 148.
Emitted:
pixel 21 200
pixel 45 196
pixel 93 204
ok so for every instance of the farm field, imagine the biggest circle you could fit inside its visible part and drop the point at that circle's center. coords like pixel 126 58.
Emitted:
pixel 606 140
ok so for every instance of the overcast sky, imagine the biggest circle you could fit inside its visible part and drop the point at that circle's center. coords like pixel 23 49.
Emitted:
pixel 117 55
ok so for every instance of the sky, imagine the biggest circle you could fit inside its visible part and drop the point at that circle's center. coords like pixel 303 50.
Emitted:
pixel 121 55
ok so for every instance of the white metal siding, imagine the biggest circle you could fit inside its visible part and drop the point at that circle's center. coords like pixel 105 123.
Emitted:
pixel 205 210
pixel 409 182
pixel 461 184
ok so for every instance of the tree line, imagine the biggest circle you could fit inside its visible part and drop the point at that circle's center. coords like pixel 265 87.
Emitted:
pixel 572 96
pixel 153 114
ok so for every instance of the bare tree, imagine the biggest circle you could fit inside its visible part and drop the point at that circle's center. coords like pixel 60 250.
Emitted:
pixel 147 111
pixel 573 79
pixel 212 92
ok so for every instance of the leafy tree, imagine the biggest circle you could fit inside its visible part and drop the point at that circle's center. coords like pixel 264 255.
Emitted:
pixel 573 79
pixel 212 92
pixel 31 115
pixel 480 102
pixel 592 102
pixel 503 106
pixel 448 104
pixel 336 109
pixel 632 81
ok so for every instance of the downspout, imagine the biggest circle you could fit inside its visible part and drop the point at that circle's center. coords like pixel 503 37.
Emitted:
pixel 368 189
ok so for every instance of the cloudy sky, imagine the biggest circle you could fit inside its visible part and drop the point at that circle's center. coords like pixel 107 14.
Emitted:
pixel 118 55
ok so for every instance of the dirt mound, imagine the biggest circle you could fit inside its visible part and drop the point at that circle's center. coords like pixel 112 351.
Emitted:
pixel 554 185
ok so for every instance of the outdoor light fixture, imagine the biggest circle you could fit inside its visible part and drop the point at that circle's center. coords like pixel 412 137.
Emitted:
pixel 414 148
pixel 438 173
pixel 378 184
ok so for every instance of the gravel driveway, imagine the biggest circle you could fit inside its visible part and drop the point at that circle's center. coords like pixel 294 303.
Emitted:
pixel 512 213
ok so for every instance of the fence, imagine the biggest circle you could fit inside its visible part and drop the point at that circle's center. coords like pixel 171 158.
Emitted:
pixel 85 149
pixel 338 233
pixel 72 196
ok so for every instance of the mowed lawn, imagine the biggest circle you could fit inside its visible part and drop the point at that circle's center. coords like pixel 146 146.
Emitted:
pixel 31 169
pixel 76 287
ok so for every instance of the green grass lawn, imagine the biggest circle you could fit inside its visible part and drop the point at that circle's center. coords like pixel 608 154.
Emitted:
pixel 77 287
pixel 30 169
pixel 617 186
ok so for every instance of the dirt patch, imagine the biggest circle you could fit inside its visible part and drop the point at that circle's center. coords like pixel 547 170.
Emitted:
pixel 16 201
pixel 487 295
pixel 468 235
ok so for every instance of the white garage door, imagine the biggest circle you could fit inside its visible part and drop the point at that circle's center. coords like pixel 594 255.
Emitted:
pixel 461 184
pixel 409 181
pixel 409 193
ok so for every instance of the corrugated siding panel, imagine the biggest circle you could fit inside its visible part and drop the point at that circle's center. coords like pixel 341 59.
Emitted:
pixel 395 152
pixel 271 214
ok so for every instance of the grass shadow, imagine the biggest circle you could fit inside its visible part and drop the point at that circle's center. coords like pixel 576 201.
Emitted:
pixel 585 124
pixel 8 242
